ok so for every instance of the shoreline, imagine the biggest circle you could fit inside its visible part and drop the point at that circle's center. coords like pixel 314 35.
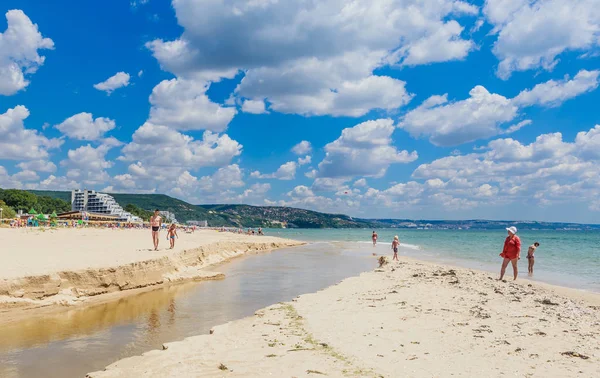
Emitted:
pixel 113 269
pixel 411 317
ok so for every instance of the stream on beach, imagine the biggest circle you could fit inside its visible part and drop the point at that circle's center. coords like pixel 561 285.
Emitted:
pixel 77 341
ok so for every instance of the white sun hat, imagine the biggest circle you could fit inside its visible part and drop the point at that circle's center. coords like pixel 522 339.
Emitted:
pixel 512 229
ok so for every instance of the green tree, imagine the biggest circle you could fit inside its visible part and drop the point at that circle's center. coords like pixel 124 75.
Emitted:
pixel 19 199
pixel 7 211
pixel 46 205
pixel 133 209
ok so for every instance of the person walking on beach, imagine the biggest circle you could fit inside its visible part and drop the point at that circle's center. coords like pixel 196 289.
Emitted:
pixel 395 245
pixel 511 252
pixel 374 237
pixel 530 256
pixel 155 222
pixel 171 234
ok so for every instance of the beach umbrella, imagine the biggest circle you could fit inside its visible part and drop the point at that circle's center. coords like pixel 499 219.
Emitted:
pixel 32 211
pixel 53 215
pixel 41 217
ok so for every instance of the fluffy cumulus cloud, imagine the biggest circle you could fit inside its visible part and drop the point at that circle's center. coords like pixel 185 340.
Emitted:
pixel 83 126
pixel 286 171
pixel 183 105
pixel 19 45
pixel 87 165
pixel 555 92
pixel 315 58
pixel 118 80
pixel 484 114
pixel 254 107
pixel 363 150
pixel 161 146
pixel 549 170
pixel 38 166
pixel 533 34
pixel 20 143
pixel 302 148
pixel 452 123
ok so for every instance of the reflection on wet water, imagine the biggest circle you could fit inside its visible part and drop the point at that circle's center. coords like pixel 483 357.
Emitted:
pixel 75 342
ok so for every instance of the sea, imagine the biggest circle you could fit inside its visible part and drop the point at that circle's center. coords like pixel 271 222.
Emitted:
pixel 568 258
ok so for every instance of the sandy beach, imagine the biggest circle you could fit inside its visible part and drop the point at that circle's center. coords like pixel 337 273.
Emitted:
pixel 410 319
pixel 67 266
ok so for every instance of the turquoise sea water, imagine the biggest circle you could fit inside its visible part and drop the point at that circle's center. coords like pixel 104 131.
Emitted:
pixel 566 258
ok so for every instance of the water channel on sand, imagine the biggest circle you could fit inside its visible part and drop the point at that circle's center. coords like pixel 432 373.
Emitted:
pixel 74 342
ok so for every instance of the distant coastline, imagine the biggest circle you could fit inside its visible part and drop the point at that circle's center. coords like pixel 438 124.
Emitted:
pixel 244 216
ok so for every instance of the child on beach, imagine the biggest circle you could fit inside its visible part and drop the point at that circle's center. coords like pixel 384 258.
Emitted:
pixel 530 256
pixel 395 245
pixel 171 234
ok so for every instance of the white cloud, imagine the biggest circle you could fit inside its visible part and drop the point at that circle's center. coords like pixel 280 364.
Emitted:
pixel 363 150
pixel 549 170
pixel 140 73
pixel 160 146
pixel 19 143
pixel 254 107
pixel 553 93
pixel 315 58
pixel 25 176
pixel 484 114
pixel 207 187
pixel 83 126
pixel 87 165
pixel 118 80
pixel 19 45
pixel 361 183
pixel 38 166
pixel 533 33
pixel 286 171
pixel 588 143
pixel 454 123
pixel 304 160
pixel 313 87
pixel 302 148
pixel 183 105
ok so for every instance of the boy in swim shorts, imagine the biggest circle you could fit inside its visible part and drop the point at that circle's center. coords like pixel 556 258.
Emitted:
pixel 171 234
pixel 530 256
pixel 395 245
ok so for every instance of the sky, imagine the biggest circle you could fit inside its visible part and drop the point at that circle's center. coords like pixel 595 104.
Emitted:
pixel 421 109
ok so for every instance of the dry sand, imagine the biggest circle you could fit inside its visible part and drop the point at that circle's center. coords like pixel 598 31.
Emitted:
pixel 67 266
pixel 408 319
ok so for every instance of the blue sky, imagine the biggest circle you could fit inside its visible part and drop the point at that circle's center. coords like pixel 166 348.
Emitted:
pixel 410 109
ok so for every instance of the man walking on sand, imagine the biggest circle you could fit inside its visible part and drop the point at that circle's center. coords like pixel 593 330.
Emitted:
pixel 511 252
pixel 155 222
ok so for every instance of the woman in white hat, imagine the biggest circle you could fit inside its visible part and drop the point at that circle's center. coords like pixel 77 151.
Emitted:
pixel 511 252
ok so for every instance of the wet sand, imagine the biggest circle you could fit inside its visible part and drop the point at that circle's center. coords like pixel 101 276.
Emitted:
pixel 407 319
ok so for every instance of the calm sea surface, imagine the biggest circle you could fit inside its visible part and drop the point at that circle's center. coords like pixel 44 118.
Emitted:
pixel 566 258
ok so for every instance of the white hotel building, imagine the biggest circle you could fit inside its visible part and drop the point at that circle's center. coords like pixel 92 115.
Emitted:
pixel 100 203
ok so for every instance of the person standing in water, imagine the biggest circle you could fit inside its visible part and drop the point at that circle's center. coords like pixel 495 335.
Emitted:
pixel 511 252
pixel 374 237
pixel 530 256
pixel 395 245
pixel 155 222
pixel 171 234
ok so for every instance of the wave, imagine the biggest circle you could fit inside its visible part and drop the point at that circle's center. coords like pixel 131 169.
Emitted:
pixel 402 245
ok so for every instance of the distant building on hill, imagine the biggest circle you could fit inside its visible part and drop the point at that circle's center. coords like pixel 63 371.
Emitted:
pixel 197 223
pixel 100 203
